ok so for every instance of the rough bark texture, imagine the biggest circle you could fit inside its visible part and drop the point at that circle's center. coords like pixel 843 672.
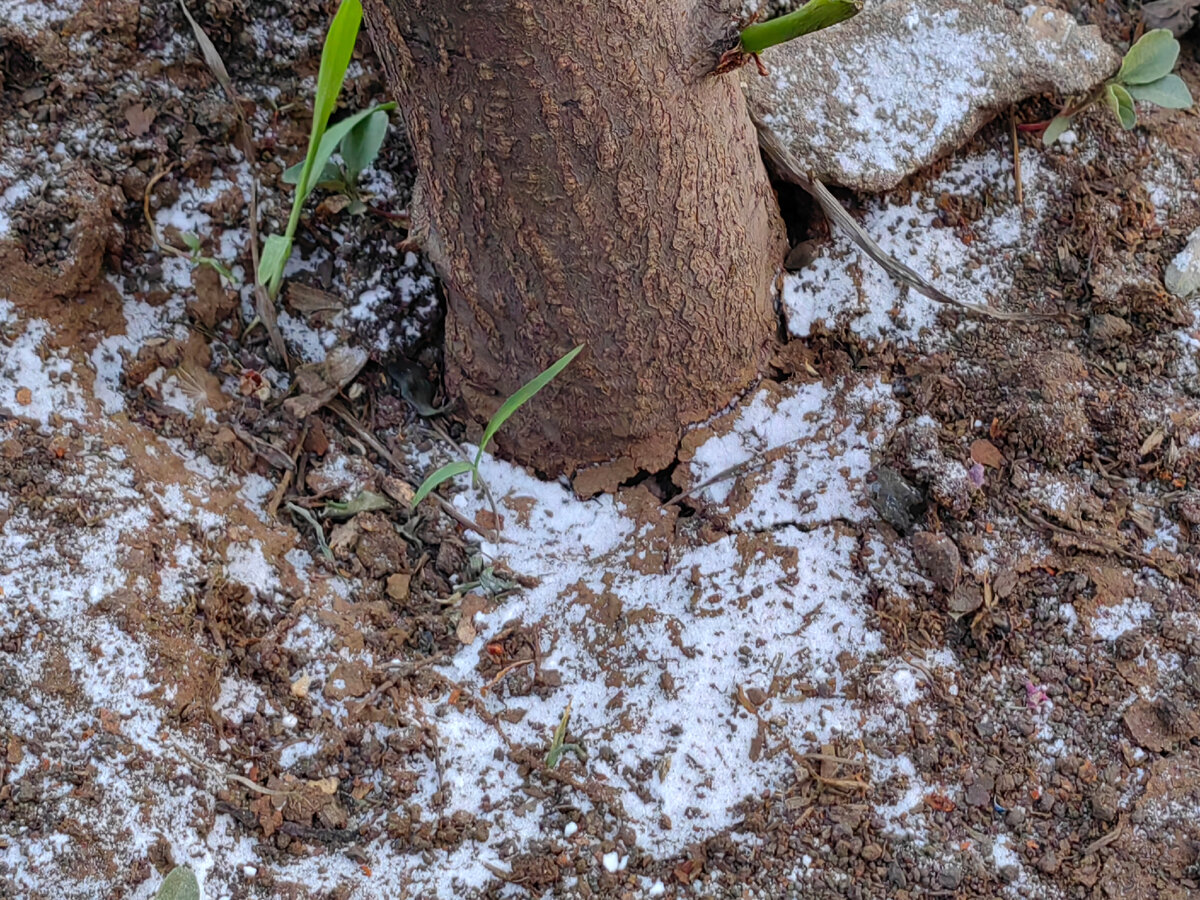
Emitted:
pixel 581 181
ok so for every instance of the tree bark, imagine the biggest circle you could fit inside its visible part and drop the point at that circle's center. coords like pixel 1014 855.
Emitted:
pixel 582 180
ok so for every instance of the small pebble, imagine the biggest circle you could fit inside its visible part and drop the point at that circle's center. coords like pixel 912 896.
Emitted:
pixel 570 829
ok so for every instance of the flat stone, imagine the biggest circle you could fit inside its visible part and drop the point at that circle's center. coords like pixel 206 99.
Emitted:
pixel 872 100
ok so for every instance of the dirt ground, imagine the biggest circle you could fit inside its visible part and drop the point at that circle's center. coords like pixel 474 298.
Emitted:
pixel 934 635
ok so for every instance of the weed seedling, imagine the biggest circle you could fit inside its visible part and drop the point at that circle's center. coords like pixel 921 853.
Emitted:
pixel 558 745
pixel 198 258
pixel 358 148
pixel 359 136
pixel 754 37
pixel 1145 75
pixel 523 395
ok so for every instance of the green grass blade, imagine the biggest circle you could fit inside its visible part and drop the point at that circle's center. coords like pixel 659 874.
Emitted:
pixel 275 253
pixel 335 59
pixel 445 473
pixel 520 398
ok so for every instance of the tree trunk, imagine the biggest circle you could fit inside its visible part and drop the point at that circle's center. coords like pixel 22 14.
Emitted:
pixel 582 180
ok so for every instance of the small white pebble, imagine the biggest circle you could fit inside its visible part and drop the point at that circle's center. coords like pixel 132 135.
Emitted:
pixel 249 871
pixel 570 829
pixel 623 863
pixel 289 721
pixel 657 889
pixel 612 861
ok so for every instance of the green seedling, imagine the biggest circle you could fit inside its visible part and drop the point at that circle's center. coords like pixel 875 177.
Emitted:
pixel 358 140
pixel 754 38
pixel 558 745
pixel 316 527
pixel 1145 74
pixel 523 395
pixel 198 258
pixel 180 884
pixel 324 139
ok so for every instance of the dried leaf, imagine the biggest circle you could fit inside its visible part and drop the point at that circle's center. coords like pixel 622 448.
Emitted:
pixel 327 786
pixel 986 453
pixel 471 604
pixel 139 119
pixel 211 57
pixel 398 586
pixel 305 299
pixel 318 383
pixel 398 490
pixel 1153 442
pixel 269 452
pixel 1177 16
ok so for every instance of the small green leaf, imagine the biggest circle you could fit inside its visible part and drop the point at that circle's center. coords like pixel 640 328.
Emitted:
pixel 291 175
pixel 445 473
pixel 1119 101
pixel 333 137
pixel 1058 126
pixel 275 253
pixel 1151 58
pixel 219 267
pixel 180 884
pixel 361 145
pixel 191 240
pixel 520 398
pixel 1169 92
pixel 329 175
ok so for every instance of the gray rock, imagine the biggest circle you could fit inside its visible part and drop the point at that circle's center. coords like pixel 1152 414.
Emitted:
pixel 895 499
pixel 951 876
pixel 870 101
pixel 1183 274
